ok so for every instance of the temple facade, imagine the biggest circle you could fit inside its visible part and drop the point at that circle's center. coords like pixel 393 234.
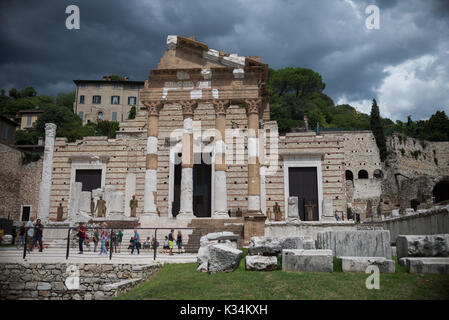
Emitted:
pixel 202 146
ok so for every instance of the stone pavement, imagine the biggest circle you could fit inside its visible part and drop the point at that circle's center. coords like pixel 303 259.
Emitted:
pixel 12 255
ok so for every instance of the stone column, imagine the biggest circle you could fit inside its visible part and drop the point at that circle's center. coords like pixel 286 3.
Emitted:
pixel 252 109
pixel 186 207
pixel 47 169
pixel 220 190
pixel 150 198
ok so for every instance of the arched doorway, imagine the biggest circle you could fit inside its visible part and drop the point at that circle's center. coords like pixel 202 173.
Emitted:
pixel 441 191
pixel 349 175
pixel 363 174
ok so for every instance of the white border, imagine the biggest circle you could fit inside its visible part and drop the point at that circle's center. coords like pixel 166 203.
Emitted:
pixel 301 161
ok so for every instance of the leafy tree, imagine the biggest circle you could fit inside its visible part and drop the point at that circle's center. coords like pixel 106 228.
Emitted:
pixel 26 137
pixel 68 124
pixel 132 113
pixel 66 99
pixel 107 128
pixel 28 92
pixel 378 130
pixel 14 93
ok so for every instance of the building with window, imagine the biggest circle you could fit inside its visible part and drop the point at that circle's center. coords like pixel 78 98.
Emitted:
pixel 106 99
pixel 27 118
pixel 7 130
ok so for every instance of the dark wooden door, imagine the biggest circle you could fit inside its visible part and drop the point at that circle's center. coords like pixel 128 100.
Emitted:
pixel 303 184
pixel 202 185
pixel 176 205
pixel 25 213
pixel 91 179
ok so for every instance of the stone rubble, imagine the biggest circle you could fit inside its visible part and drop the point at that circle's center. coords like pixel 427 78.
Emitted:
pixel 422 245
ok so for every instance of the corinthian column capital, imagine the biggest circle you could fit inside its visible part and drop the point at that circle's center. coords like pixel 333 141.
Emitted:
pixel 253 106
pixel 188 106
pixel 153 107
pixel 220 106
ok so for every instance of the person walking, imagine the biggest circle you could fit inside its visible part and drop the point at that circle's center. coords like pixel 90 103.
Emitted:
pixel 103 239
pixel 82 236
pixel 179 241
pixel 30 234
pixel 38 232
pixel 136 242
pixel 119 239
pixel 96 239
pixel 171 239
pixel 21 240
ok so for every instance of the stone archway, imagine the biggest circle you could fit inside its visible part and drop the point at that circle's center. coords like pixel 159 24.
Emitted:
pixel 441 191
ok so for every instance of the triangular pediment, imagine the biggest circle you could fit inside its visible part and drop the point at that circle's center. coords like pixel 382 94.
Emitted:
pixel 187 53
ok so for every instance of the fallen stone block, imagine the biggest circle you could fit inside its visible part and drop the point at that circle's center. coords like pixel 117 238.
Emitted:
pixel 273 246
pixel 205 244
pixel 307 260
pixel 360 243
pixel 223 258
pixel 426 265
pixel 436 245
pixel 360 264
pixel 394 251
pixel 261 263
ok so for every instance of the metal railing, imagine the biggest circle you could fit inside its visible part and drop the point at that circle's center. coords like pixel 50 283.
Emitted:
pixel 187 242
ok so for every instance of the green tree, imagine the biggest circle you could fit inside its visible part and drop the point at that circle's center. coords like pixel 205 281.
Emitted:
pixel 66 99
pixel 132 113
pixel 107 128
pixel 378 130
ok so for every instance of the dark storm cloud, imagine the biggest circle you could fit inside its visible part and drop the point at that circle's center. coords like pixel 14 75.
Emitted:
pixel 128 38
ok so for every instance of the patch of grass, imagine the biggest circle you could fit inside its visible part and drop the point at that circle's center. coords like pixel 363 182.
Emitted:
pixel 337 265
pixel 182 281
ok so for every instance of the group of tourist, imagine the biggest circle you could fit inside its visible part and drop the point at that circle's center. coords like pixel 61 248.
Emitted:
pixel 101 236
pixel 134 242
pixel 31 232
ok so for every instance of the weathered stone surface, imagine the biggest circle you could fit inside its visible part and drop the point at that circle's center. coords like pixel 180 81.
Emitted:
pixel 212 239
pixel 7 239
pixel 394 251
pixel 223 258
pixel 307 260
pixel 261 263
pixel 272 246
pixel 426 265
pixel 225 235
pixel 361 243
pixel 43 286
pixel 423 245
pixel 359 264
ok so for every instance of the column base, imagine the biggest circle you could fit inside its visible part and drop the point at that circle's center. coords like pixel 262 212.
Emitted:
pixel 148 217
pixel 185 215
pixel 220 215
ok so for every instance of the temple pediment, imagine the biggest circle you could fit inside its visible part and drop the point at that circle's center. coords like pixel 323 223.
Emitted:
pixel 187 53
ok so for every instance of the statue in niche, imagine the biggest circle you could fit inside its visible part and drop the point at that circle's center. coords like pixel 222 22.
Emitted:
pixel 277 212
pixel 238 213
pixel 92 206
pixel 59 213
pixel 133 205
pixel 101 207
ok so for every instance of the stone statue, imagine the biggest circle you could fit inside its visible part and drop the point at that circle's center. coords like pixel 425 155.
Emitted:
pixel 158 212
pixel 101 207
pixel 133 205
pixel 238 213
pixel 269 215
pixel 59 213
pixel 277 212
pixel 92 206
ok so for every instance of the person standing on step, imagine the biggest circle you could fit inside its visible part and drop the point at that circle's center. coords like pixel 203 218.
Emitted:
pixel 30 234
pixel 103 239
pixel 171 239
pixel 82 236
pixel 119 239
pixel 179 241
pixel 136 242
pixel 96 239
pixel 38 231
pixel 21 239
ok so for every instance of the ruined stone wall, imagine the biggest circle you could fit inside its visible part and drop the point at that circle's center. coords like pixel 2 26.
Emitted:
pixel 46 281
pixel 412 157
pixel 424 222
pixel 10 180
pixel 31 175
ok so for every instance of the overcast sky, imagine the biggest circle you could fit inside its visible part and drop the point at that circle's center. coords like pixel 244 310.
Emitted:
pixel 404 64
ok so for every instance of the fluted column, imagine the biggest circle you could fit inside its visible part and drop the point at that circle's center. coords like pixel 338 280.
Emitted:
pixel 220 188
pixel 186 208
pixel 43 211
pixel 150 198
pixel 252 109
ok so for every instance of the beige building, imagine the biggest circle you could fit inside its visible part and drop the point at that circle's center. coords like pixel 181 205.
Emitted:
pixel 27 118
pixel 106 99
